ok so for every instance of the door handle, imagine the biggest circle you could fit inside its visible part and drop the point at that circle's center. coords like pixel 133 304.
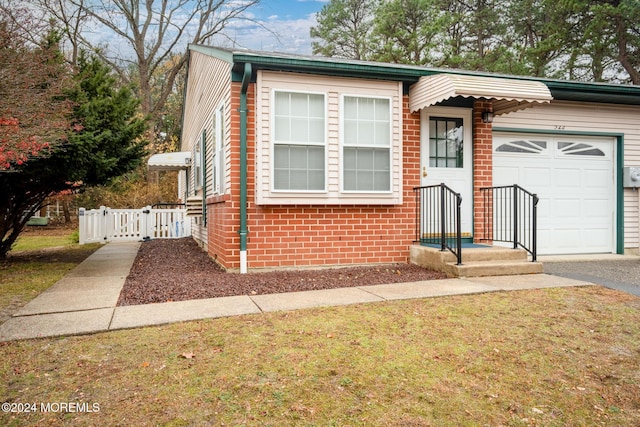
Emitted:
pixel 424 172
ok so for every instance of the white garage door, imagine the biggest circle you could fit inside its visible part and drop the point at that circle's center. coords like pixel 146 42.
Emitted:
pixel 573 177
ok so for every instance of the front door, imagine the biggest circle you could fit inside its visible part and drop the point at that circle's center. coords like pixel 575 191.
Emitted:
pixel 445 155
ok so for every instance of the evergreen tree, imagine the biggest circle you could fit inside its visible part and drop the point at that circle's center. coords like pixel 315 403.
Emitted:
pixel 103 143
pixel 591 40
pixel 407 31
pixel 344 29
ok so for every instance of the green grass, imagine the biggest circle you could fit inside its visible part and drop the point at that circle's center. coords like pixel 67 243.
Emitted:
pixel 552 357
pixel 31 270
pixel 31 243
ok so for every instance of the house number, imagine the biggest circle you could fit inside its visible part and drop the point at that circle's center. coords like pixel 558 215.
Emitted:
pixel 559 127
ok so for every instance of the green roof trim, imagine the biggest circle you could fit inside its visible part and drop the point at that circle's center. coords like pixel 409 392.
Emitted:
pixel 222 54
pixel 408 74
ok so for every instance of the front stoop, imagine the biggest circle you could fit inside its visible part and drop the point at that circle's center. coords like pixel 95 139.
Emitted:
pixel 476 262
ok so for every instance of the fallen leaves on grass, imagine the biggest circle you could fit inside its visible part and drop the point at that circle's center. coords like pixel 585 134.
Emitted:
pixel 414 363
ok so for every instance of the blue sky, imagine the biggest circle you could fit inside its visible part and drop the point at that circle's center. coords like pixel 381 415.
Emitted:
pixel 285 27
pixel 288 9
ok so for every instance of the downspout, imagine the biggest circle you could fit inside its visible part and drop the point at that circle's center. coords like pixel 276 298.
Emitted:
pixel 243 167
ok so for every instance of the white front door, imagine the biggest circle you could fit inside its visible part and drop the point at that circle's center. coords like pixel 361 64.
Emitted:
pixel 446 155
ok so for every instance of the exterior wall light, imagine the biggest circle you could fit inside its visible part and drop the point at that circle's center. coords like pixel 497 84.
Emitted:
pixel 487 117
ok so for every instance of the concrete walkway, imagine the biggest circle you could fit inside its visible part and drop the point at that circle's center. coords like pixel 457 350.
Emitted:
pixel 84 301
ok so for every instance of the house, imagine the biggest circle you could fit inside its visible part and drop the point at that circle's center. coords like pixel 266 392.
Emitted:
pixel 296 161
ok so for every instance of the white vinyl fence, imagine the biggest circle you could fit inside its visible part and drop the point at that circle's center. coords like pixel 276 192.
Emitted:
pixel 107 225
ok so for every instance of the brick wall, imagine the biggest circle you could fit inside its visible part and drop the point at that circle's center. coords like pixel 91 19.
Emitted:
pixel 482 165
pixel 306 235
pixel 223 214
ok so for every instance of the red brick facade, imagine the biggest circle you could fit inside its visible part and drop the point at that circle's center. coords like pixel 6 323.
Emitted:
pixel 326 235
pixel 482 164
pixel 305 235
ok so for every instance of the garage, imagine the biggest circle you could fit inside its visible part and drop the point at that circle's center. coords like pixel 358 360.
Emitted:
pixel 574 178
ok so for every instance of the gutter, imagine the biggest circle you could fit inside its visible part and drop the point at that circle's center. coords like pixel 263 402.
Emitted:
pixel 243 167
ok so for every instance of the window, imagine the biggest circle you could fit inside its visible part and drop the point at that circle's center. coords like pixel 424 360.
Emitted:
pixel 324 140
pixel 197 158
pixel 446 139
pixel 523 146
pixel 579 149
pixel 200 171
pixel 366 144
pixel 299 141
pixel 217 180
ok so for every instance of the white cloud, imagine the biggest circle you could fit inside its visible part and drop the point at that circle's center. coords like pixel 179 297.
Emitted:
pixel 273 35
pixel 274 31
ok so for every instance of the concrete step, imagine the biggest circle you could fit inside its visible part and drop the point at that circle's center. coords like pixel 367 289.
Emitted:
pixel 495 268
pixel 477 261
pixel 491 253
pixel 486 253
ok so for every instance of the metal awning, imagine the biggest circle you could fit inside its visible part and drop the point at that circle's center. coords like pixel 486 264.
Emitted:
pixel 507 94
pixel 170 161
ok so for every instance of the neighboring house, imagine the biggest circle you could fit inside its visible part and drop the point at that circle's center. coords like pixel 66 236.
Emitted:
pixel 307 161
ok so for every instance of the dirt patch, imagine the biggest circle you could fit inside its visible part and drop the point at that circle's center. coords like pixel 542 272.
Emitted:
pixel 50 255
pixel 178 270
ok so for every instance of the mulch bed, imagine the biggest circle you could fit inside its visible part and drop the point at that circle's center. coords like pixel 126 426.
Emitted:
pixel 178 269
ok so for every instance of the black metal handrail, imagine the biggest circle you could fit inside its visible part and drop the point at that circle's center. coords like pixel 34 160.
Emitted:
pixel 511 215
pixel 438 218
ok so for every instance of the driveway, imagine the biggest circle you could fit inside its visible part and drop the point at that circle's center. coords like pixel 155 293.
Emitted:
pixel 623 275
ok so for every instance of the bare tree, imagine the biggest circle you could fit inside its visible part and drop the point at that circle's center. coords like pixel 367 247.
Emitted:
pixel 71 19
pixel 144 35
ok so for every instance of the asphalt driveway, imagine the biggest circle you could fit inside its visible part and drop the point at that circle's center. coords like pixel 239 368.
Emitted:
pixel 623 275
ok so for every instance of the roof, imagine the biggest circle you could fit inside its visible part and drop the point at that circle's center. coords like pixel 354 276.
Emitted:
pixel 409 74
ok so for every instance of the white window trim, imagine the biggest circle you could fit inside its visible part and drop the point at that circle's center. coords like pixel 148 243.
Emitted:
pixel 198 166
pixel 465 114
pixel 332 87
pixel 343 145
pixel 218 156
pixel 273 143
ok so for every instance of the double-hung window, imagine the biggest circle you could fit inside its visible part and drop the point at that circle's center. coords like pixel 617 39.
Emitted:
pixel 366 144
pixel 327 141
pixel 299 141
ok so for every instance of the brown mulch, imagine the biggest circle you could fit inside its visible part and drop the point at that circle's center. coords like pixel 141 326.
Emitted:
pixel 178 269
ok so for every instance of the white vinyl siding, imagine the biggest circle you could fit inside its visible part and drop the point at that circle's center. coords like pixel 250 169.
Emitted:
pixel 366 132
pixel 299 141
pixel 333 90
pixel 208 87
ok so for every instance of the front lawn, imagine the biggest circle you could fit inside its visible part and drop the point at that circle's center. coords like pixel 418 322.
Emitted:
pixel 30 242
pixel 553 357
pixel 40 257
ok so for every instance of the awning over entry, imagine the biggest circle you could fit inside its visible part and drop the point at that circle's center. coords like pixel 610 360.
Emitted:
pixel 170 161
pixel 507 94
